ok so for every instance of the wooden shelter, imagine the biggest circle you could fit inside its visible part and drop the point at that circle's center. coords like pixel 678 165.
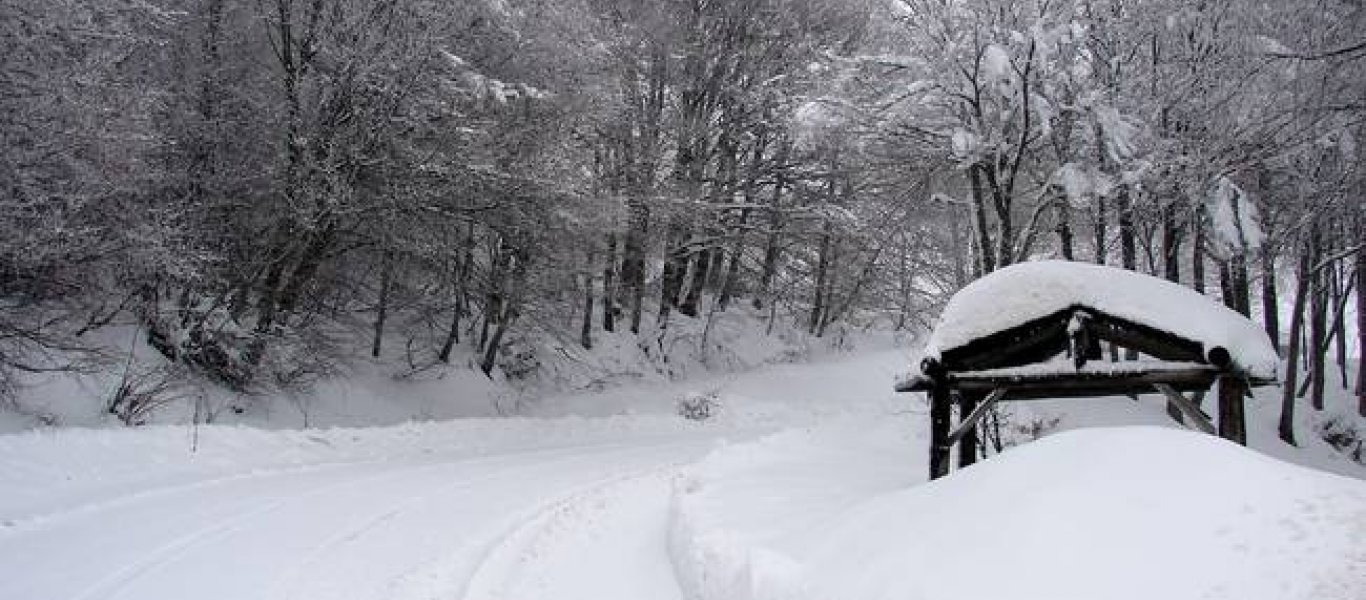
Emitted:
pixel 1058 355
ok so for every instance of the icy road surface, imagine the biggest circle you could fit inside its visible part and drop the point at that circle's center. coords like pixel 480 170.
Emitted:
pixel 496 527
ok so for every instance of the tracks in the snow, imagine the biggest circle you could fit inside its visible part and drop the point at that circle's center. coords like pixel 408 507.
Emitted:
pixel 359 531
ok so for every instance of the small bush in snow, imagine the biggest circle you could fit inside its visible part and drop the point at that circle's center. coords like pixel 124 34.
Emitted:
pixel 1342 434
pixel 142 391
pixel 699 407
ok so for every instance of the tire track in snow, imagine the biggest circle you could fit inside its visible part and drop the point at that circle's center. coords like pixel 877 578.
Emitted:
pixel 502 572
pixel 310 520
pixel 167 554
pixel 392 511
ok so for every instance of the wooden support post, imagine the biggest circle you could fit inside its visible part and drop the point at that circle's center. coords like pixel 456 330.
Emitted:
pixel 940 409
pixel 967 445
pixel 1231 423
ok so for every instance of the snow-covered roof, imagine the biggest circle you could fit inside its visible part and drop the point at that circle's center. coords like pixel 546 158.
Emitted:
pixel 1021 293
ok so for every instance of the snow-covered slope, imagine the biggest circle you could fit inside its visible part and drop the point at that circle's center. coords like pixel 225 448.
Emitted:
pixel 1112 513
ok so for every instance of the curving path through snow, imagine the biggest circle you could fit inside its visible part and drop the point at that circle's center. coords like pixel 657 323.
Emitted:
pixel 416 528
pixel 558 507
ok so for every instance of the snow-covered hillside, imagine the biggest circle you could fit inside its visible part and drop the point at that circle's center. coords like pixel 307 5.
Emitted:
pixel 806 483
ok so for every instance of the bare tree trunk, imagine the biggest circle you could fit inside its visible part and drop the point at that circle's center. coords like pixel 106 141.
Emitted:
pixel 985 259
pixel 1065 230
pixel 1286 428
pixel 633 262
pixel 960 247
pixel 452 337
pixel 1271 317
pixel 1340 282
pixel 586 332
pixel 701 273
pixel 832 273
pixel 822 265
pixel 461 293
pixel 1318 323
pixel 1226 288
pixel 1100 231
pixel 670 280
pixel 1361 319
pixel 507 306
pixel 1127 247
pixel 1171 243
pixel 382 307
pixel 202 155
pixel 493 300
pixel 715 272
pixel 771 248
pixel 1198 250
pixel 609 290
pixel 737 251
pixel 1242 301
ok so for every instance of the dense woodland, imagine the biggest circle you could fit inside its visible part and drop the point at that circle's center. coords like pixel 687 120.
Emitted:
pixel 266 186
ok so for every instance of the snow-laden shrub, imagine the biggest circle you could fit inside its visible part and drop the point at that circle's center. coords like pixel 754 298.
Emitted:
pixel 1341 433
pixel 698 406
pixel 142 390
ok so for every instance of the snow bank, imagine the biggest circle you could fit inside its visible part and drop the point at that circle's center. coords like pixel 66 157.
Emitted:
pixel 1021 293
pixel 1114 513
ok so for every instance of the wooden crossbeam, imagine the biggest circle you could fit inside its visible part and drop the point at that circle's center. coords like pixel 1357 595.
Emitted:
pixel 1086 384
pixel 976 415
pixel 1187 407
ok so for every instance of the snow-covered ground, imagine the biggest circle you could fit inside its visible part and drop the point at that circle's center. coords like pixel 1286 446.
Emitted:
pixel 807 483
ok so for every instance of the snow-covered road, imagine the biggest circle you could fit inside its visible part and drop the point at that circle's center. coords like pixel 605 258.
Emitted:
pixel 418 528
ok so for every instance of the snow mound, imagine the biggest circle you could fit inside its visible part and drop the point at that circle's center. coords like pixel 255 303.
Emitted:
pixel 1110 513
pixel 1024 292
pixel 1119 513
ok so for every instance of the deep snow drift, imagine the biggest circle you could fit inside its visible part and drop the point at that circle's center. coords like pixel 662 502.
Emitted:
pixel 1112 513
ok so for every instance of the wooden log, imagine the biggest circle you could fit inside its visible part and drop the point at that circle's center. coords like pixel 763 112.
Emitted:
pixel 1148 340
pixel 1031 342
pixel 1231 422
pixel 1197 417
pixel 940 408
pixel 969 422
pixel 1044 337
pixel 1078 384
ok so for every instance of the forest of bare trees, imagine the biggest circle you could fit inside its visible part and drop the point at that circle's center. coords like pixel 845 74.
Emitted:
pixel 263 186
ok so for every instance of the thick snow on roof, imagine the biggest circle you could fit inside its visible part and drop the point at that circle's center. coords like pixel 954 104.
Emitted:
pixel 1021 293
